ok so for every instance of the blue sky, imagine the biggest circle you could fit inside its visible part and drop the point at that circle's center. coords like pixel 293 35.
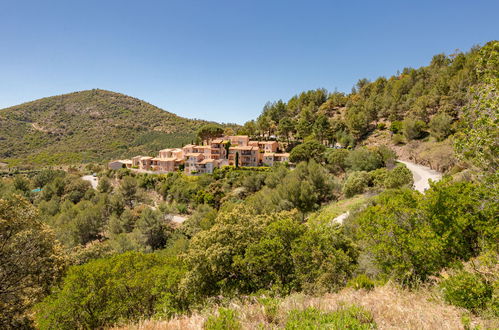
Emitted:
pixel 222 60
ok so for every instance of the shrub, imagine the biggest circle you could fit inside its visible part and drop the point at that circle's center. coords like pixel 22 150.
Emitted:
pixel 352 317
pixel 364 159
pixel 306 151
pixel 413 128
pixel 398 139
pixel 396 127
pixel 356 183
pixel 324 259
pixel 104 291
pixel 399 177
pixel 336 158
pixel 466 290
pixel 381 126
pixel 441 126
pixel 225 320
pixel 361 281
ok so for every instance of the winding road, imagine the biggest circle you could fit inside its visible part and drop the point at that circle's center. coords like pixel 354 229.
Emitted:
pixel 421 174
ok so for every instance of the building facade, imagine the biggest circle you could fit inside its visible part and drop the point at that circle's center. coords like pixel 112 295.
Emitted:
pixel 197 159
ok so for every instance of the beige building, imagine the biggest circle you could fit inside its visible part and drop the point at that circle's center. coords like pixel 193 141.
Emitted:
pixel 197 159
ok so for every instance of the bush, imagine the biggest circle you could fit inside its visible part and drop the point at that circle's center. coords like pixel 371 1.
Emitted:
pixel 356 183
pixel 396 127
pixel 398 139
pixel 381 126
pixel 324 259
pixel 413 128
pixel 306 151
pixel 361 282
pixel 336 159
pixel 104 291
pixel 352 317
pixel 399 177
pixel 466 290
pixel 441 126
pixel 364 159
pixel 225 320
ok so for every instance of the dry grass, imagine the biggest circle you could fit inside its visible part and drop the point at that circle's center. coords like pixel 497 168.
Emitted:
pixel 392 308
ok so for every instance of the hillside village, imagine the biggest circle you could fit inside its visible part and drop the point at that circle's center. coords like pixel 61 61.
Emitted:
pixel 236 150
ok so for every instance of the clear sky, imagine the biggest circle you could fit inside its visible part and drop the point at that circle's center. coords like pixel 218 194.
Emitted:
pixel 222 60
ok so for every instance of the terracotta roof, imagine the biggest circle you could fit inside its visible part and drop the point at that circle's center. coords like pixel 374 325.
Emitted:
pixel 205 161
pixel 169 159
pixel 193 154
pixel 217 141
pixel 146 157
pixel 244 148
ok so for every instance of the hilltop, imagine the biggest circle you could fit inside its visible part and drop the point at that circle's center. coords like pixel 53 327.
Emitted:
pixel 90 125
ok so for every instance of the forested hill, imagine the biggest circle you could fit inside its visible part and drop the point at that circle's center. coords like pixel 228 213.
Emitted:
pixel 429 98
pixel 89 125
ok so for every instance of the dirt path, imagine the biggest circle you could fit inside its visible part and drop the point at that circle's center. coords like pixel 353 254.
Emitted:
pixel 422 175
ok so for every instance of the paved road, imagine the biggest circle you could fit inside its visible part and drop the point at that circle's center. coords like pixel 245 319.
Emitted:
pixel 94 181
pixel 422 175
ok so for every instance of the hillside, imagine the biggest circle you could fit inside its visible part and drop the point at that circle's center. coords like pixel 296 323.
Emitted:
pixel 90 125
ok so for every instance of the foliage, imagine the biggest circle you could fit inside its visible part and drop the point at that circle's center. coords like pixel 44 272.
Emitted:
pixel 413 128
pixel 347 317
pixel 364 159
pixel 411 237
pixel 356 183
pixel 441 126
pixel 209 132
pixel 306 151
pixel 225 320
pixel 31 260
pixel 324 259
pixel 361 281
pixel 467 290
pixel 337 159
pixel 104 291
pixel 478 141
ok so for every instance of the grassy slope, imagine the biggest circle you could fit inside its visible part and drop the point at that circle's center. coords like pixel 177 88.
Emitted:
pixel 86 126
pixel 391 307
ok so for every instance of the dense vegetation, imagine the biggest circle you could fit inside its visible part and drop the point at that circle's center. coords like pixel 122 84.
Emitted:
pixel 91 125
pixel 262 233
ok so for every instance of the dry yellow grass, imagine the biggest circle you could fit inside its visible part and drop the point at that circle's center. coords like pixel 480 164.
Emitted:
pixel 392 308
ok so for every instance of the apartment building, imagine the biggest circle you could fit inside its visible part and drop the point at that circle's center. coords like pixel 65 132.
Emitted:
pixel 245 155
pixel 197 159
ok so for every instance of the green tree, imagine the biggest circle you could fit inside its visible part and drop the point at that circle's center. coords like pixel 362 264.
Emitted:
pixel 364 159
pixel 210 131
pixel 336 159
pixel 31 261
pixel 128 190
pixel 307 151
pixel 104 185
pixel 324 259
pixel 102 292
pixel 152 229
pixel 356 183
pixel 440 126
pixel 413 128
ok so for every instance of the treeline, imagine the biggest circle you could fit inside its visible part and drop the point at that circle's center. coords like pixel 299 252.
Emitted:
pixel 416 102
